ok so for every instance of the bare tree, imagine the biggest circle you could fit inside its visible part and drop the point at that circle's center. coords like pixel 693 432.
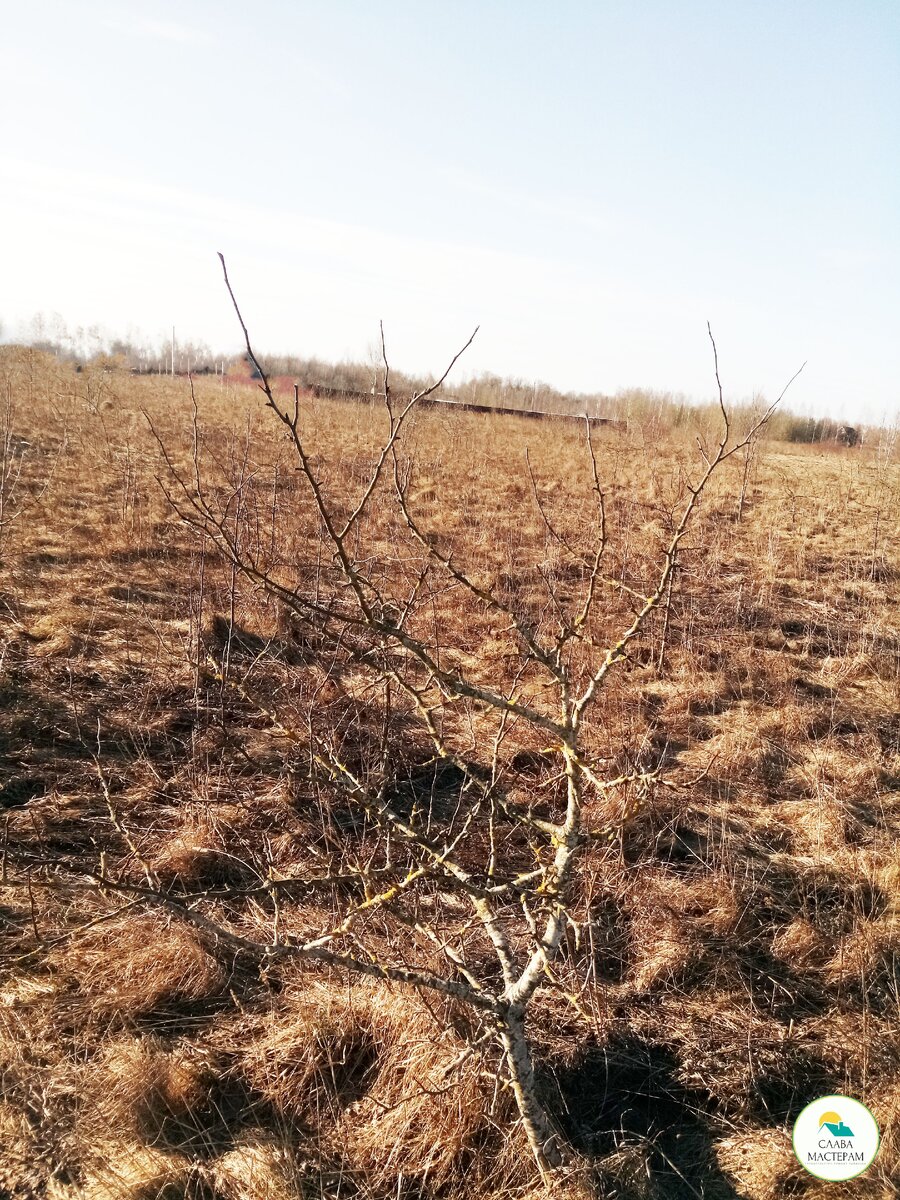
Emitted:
pixel 484 887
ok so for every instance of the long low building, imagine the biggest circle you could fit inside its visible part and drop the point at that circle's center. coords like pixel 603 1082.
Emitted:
pixel 322 391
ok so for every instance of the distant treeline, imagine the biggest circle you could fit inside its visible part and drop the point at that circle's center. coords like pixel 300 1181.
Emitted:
pixel 653 412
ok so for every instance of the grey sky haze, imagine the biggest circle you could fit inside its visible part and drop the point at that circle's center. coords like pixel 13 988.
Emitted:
pixel 590 182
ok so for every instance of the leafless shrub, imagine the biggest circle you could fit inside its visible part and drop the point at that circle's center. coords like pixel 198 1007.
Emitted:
pixel 445 861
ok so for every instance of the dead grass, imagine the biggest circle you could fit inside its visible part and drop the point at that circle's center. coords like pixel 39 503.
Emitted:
pixel 761 1163
pixel 121 1170
pixel 134 966
pixel 740 944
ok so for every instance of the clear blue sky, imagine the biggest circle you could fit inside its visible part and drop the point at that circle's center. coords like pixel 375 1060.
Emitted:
pixel 589 181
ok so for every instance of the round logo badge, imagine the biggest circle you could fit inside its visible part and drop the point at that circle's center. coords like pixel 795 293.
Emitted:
pixel 835 1138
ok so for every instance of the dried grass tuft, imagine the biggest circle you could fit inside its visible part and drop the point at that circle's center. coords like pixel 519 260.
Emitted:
pixel 801 943
pixel 885 1106
pixel 133 966
pixel 54 637
pixel 123 1170
pixel 316 1053
pixel 436 1122
pixel 760 1163
pixel 198 856
pixel 374 1064
pixel 17 1148
pixel 264 1167
pixel 663 942
pixel 140 1085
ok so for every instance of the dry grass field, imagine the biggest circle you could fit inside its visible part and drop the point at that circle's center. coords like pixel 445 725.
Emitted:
pixel 738 933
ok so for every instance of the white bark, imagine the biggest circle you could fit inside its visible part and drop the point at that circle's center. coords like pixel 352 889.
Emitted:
pixel 544 1141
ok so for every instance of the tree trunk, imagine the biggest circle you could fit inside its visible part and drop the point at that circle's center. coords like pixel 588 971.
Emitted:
pixel 545 1142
